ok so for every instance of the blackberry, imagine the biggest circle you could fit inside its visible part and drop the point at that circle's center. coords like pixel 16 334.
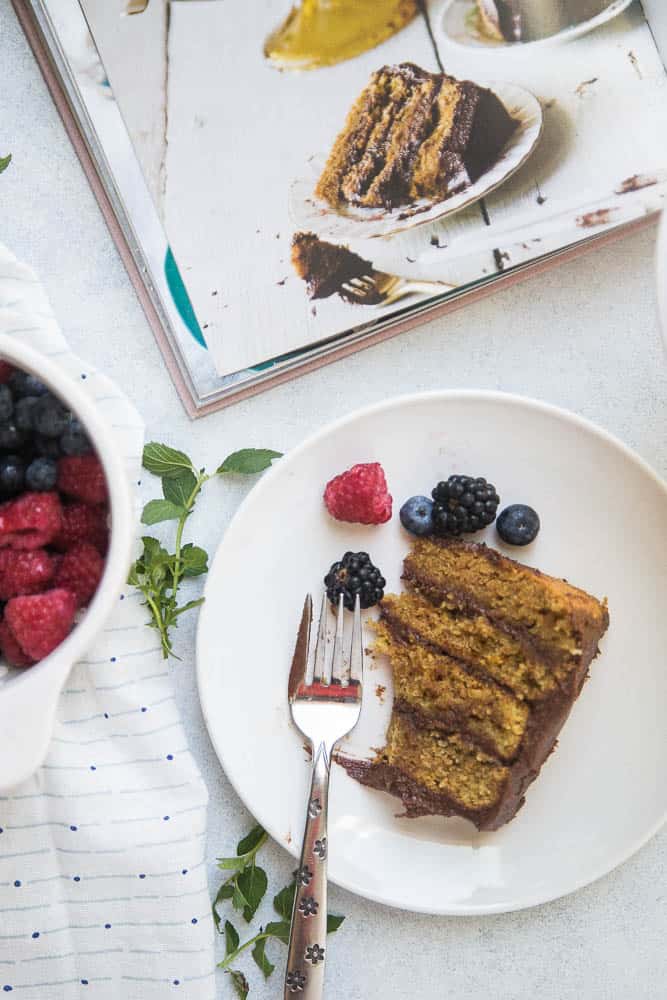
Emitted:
pixel 355 574
pixel 463 504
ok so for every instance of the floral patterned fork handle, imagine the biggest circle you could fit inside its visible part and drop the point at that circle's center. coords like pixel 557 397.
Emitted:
pixel 307 946
pixel 325 701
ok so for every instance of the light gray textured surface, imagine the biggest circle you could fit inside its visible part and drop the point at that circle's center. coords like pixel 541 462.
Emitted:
pixel 584 336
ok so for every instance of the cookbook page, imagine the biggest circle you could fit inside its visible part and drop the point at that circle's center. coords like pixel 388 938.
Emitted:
pixel 236 145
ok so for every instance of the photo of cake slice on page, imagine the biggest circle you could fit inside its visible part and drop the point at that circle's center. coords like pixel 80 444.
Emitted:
pixel 413 134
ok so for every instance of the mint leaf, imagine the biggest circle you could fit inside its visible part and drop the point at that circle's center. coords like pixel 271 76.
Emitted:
pixel 240 983
pixel 239 902
pixel 226 891
pixel 253 883
pixel 194 561
pixel 163 461
pixel 333 923
pixel 232 864
pixel 251 841
pixel 4 162
pixel 153 551
pixel 283 903
pixel 231 938
pixel 260 958
pixel 279 929
pixel 160 510
pixel 179 487
pixel 248 461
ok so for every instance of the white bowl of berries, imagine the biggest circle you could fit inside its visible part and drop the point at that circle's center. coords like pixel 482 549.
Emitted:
pixel 65 541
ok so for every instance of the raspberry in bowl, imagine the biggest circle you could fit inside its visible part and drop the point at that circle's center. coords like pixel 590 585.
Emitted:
pixel 65 538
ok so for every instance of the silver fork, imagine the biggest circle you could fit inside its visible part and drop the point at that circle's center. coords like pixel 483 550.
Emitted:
pixel 381 289
pixel 325 700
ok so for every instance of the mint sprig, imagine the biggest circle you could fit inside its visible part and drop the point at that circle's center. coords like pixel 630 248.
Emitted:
pixel 246 888
pixel 5 161
pixel 157 572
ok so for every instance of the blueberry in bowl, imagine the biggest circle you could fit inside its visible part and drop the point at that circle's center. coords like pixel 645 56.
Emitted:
pixel 65 536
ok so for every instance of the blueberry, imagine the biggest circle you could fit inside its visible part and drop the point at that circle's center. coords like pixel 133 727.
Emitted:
pixel 50 418
pixel 12 475
pixel 24 384
pixel 41 475
pixel 74 440
pixel 417 515
pixel 48 447
pixel 11 438
pixel 6 402
pixel 23 412
pixel 518 524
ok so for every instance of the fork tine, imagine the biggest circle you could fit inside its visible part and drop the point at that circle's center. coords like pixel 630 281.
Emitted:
pixel 317 668
pixel 356 671
pixel 338 650
pixel 349 289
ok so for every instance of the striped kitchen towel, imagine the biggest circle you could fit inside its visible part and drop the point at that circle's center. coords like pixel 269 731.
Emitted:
pixel 102 853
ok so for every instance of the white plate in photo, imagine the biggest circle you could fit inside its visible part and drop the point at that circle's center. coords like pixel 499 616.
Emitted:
pixel 458 25
pixel 352 222
pixel 599 797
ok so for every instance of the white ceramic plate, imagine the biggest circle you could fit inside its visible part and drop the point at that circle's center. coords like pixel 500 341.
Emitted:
pixel 604 527
pixel 357 223
pixel 455 27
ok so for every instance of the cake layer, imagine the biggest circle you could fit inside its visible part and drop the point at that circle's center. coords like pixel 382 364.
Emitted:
pixel 457 774
pixel 479 642
pixel 561 620
pixel 439 693
pixel 413 134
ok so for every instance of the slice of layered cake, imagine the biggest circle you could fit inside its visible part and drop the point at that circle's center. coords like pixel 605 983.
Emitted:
pixel 413 134
pixel 488 657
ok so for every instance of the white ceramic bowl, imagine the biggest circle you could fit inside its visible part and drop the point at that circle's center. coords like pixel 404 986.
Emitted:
pixel 28 697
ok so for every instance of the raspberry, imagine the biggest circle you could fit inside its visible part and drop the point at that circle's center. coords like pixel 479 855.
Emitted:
pixel 359 495
pixel 82 477
pixel 6 371
pixel 82 523
pixel 24 572
pixel 31 521
pixel 10 648
pixel 80 572
pixel 41 622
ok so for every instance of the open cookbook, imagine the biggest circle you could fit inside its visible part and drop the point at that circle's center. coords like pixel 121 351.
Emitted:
pixel 286 187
